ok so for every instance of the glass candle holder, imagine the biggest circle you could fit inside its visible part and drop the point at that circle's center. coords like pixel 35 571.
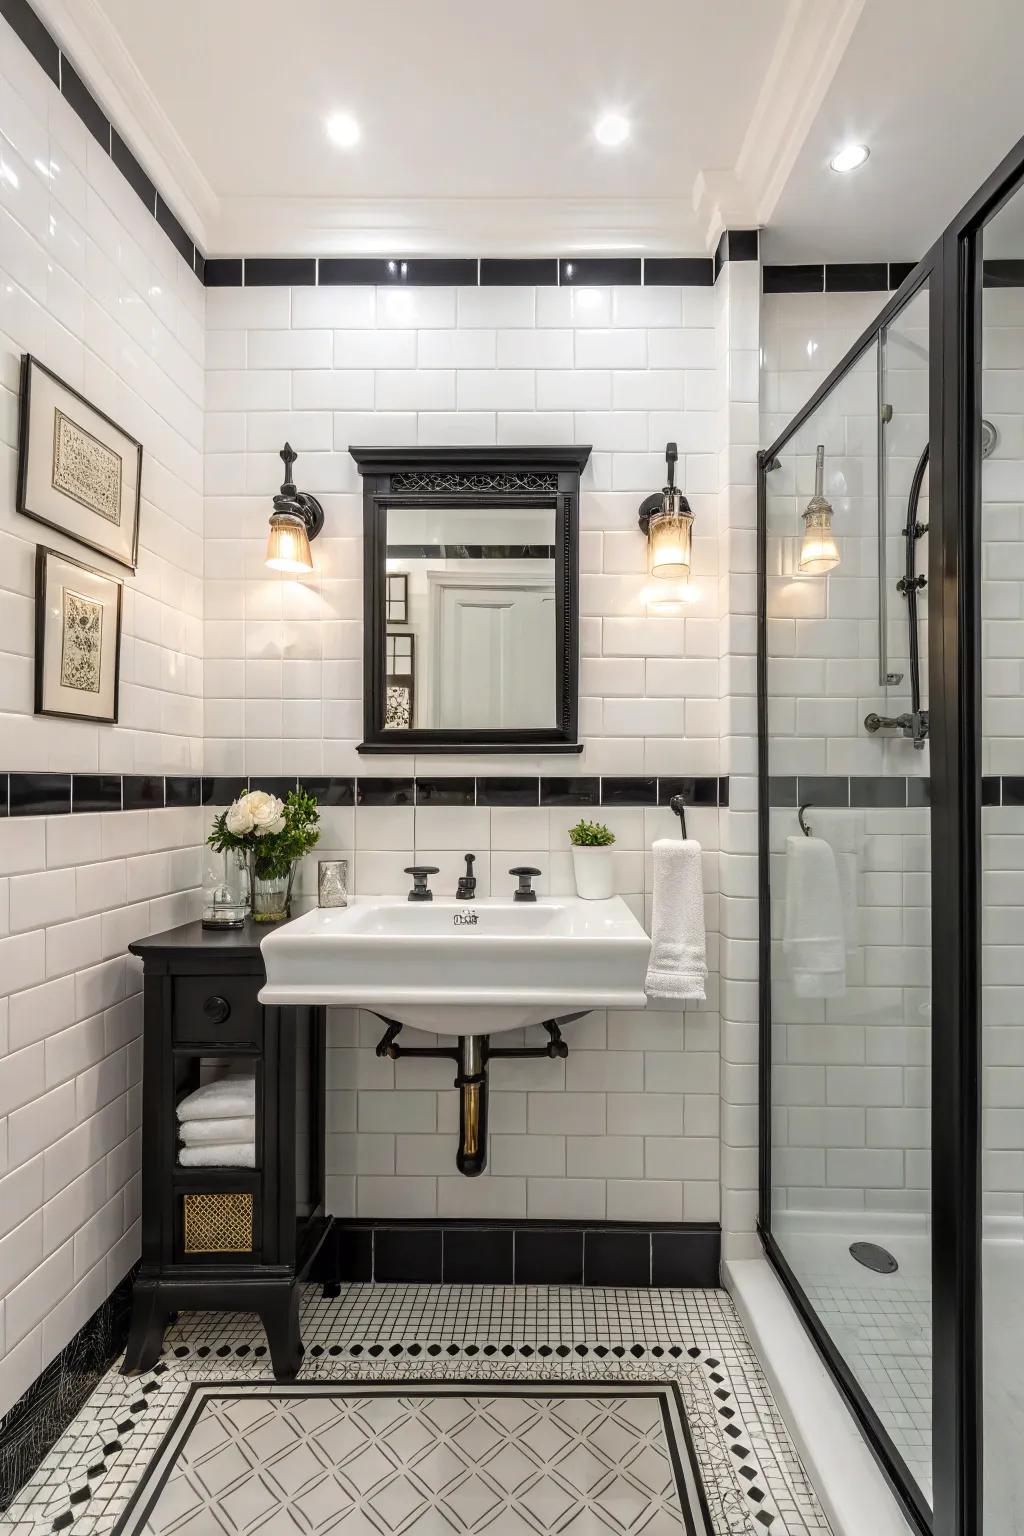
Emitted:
pixel 332 883
pixel 225 891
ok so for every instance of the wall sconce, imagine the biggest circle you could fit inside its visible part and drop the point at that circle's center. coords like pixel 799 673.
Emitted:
pixel 819 551
pixel 296 518
pixel 667 521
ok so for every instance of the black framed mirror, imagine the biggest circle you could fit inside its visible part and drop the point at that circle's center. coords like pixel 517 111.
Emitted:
pixel 470 598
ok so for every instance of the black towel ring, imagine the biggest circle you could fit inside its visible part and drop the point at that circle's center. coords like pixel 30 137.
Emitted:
pixel 804 828
pixel 677 805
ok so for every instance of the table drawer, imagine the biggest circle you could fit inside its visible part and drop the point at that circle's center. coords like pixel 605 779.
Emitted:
pixel 216 1011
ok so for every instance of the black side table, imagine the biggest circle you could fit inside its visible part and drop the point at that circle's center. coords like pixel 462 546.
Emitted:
pixel 232 1239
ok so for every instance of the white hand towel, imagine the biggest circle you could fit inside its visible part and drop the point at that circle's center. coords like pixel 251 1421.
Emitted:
pixel 844 831
pixel 678 966
pixel 196 1133
pixel 225 1154
pixel 813 940
pixel 226 1097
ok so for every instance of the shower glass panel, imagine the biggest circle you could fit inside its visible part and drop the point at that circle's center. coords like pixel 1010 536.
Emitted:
pixel 1002 866
pixel 849 833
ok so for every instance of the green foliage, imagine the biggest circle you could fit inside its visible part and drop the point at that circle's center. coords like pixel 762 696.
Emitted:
pixel 273 852
pixel 591 834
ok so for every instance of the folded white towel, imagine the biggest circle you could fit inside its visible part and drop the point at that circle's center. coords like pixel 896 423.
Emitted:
pixel 200 1132
pixel 678 967
pixel 225 1098
pixel 225 1154
pixel 844 830
pixel 813 940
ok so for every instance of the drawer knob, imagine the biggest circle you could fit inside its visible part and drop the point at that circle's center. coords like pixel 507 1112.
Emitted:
pixel 216 1009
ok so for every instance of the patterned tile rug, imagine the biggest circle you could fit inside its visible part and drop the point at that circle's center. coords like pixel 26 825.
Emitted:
pixel 425 1459
pixel 511 1410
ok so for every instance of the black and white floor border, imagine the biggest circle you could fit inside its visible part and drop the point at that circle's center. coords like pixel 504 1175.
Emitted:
pixel 752 1477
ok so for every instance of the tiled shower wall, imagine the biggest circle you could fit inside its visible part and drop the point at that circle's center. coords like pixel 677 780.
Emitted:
pixel 91 286
pixel 627 1127
pixel 851 1124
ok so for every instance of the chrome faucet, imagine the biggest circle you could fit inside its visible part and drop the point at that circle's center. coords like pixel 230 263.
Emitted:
pixel 914 726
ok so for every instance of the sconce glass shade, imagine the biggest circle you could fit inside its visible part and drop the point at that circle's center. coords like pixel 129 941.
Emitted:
pixel 288 544
pixel 669 539
pixel 819 551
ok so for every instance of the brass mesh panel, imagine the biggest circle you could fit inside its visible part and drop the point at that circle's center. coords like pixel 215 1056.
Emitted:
pixel 218 1223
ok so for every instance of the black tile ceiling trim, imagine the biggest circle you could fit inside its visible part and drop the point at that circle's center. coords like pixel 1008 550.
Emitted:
pixel 736 245
pixel 466 271
pixel 849 277
pixel 44 48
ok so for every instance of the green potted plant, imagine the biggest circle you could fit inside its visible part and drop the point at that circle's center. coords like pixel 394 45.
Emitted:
pixel 592 860
pixel 272 835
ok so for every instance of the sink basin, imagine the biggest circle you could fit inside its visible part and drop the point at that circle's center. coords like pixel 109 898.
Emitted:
pixel 460 967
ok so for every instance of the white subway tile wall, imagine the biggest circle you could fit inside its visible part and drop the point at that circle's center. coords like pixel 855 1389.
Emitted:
pixel 90 285
pixel 621 368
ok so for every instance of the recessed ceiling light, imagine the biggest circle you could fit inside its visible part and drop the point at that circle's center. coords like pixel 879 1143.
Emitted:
pixel 611 130
pixel 343 130
pixel 849 157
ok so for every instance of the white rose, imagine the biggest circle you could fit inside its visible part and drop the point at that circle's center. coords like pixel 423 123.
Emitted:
pixel 238 819
pixel 267 812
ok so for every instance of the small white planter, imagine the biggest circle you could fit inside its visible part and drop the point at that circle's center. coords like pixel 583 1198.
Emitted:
pixel 594 869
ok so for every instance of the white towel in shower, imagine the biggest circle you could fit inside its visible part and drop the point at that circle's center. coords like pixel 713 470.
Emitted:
pixel 226 1097
pixel 813 939
pixel 223 1154
pixel 678 967
pixel 843 830
pixel 195 1133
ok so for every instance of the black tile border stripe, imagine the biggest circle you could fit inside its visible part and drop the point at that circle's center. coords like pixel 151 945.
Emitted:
pixel 868 792
pixel 48 54
pixel 58 794
pixel 526 1252
pixel 868 276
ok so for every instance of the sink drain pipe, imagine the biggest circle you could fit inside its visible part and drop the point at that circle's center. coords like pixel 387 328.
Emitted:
pixel 471 1056
pixel 471 1081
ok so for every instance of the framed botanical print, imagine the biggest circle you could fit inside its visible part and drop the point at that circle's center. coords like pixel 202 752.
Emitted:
pixel 78 471
pixel 78 639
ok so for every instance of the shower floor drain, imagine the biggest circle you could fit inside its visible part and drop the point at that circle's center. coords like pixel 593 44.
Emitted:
pixel 874 1257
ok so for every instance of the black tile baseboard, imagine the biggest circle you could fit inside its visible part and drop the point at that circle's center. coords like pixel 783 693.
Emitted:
pixel 58 794
pixel 522 1253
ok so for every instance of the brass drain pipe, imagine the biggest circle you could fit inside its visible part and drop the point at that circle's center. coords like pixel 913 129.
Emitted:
pixel 471 1081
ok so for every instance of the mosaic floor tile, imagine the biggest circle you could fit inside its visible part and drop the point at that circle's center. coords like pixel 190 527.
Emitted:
pixel 496 1336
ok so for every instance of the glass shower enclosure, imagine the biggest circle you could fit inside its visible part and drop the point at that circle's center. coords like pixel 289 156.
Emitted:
pixel 891 840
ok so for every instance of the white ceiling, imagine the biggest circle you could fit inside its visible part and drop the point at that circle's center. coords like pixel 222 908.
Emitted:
pixel 477 119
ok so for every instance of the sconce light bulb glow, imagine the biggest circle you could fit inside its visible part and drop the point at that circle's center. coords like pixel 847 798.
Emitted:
pixel 669 545
pixel 343 130
pixel 849 158
pixel 288 548
pixel 819 552
pixel 611 130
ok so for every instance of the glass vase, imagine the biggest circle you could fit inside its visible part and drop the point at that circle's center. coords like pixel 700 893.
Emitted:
pixel 270 895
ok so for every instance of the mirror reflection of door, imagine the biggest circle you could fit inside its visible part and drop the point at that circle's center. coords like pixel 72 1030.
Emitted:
pixel 479 609
pixel 494 648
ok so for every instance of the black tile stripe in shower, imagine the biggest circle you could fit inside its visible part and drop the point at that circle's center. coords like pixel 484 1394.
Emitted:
pixel 860 791
pixel 52 794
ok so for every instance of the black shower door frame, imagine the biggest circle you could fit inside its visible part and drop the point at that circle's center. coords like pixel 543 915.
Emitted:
pixel 953 271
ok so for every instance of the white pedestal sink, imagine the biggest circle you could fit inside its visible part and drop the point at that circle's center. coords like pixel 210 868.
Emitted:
pixel 461 967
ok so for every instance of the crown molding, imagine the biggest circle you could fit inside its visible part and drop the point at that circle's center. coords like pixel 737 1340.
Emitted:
pixel 86 33
pixel 811 44
pixel 305 226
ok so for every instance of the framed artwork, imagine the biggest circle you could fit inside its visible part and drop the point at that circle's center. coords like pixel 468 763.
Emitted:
pixel 398 598
pixel 78 471
pixel 78 639
pixel 400 682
